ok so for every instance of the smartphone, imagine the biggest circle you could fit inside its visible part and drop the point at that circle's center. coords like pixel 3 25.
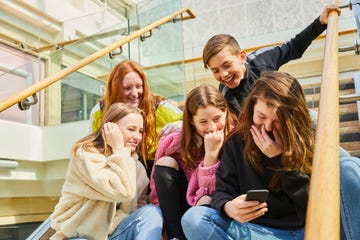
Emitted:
pixel 257 195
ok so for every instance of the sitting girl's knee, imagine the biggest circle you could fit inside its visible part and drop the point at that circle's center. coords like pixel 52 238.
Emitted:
pixel 168 162
pixel 152 210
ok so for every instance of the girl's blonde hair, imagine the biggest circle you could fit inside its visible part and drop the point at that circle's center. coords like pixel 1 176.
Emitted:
pixel 95 142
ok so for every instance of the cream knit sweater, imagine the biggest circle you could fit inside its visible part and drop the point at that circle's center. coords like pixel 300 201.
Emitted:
pixel 93 186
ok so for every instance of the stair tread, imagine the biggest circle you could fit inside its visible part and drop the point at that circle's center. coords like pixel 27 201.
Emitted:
pixel 315 85
pixel 349 126
pixel 351 146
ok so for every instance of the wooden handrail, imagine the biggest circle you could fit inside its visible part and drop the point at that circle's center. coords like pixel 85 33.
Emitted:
pixel 323 211
pixel 8 102
pixel 248 50
pixel 55 46
pixel 199 59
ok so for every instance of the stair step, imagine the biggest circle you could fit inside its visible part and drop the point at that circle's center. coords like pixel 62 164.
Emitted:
pixel 349 117
pixel 349 136
pixel 347 108
pixel 349 126
pixel 352 147
pixel 343 107
pixel 314 97
pixel 348 83
pixel 355 153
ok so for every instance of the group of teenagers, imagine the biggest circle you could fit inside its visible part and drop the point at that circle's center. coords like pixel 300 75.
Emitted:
pixel 150 171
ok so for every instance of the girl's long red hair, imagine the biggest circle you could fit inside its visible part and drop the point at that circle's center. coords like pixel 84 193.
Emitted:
pixel 114 93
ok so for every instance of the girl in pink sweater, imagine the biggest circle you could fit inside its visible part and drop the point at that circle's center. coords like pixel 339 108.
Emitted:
pixel 186 160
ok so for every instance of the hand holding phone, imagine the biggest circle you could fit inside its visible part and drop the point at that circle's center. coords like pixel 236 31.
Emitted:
pixel 257 195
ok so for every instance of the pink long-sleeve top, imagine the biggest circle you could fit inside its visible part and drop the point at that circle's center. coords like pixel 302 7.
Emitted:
pixel 201 179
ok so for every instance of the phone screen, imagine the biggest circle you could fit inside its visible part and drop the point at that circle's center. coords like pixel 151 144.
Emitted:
pixel 257 195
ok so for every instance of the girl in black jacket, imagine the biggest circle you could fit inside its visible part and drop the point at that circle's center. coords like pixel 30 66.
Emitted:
pixel 271 148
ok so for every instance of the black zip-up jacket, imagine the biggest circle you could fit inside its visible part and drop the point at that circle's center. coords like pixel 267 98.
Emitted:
pixel 235 176
pixel 270 59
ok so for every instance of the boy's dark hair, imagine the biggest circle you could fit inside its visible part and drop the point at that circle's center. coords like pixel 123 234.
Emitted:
pixel 217 43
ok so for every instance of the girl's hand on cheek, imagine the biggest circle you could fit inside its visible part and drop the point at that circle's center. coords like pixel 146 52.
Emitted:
pixel 265 143
pixel 214 140
pixel 212 143
pixel 113 136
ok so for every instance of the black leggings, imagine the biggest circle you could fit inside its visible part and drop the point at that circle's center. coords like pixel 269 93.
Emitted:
pixel 171 185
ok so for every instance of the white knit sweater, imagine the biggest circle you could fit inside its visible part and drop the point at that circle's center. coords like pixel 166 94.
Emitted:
pixel 93 186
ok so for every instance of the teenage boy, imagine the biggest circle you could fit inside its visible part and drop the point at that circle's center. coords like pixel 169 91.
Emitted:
pixel 236 70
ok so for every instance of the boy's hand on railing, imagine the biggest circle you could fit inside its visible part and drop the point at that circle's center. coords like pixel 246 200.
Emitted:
pixel 324 17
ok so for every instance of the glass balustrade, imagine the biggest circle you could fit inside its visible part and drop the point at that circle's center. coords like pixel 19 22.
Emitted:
pixel 162 54
pixel 19 70
pixel 82 89
pixel 72 98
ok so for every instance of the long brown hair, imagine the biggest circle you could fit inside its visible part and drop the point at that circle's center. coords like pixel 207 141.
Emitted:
pixel 285 94
pixel 95 142
pixel 114 93
pixel 200 97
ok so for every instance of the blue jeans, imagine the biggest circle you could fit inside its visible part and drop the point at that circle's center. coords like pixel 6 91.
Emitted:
pixel 145 223
pixel 343 153
pixel 350 197
pixel 356 11
pixel 202 223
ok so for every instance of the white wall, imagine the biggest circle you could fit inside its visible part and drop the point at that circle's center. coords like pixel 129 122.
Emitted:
pixel 253 22
pixel 57 140
pixel 42 155
pixel 26 142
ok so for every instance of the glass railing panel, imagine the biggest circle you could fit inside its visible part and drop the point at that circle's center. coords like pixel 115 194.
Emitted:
pixel 75 52
pixel 168 81
pixel 19 70
pixel 76 28
pixel 166 43
pixel 162 53
pixel 92 24
pixel 81 90
pixel 79 93
pixel 79 96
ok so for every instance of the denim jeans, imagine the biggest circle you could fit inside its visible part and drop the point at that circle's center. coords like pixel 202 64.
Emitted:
pixel 145 223
pixel 202 223
pixel 356 11
pixel 350 197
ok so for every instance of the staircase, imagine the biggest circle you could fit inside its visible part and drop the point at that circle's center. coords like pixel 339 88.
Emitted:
pixel 349 116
